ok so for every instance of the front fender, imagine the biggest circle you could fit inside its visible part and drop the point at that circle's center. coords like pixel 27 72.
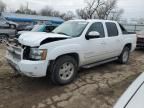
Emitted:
pixel 61 50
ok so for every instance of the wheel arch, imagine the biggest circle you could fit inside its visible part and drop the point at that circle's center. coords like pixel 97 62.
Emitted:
pixel 51 62
pixel 74 55
pixel 129 45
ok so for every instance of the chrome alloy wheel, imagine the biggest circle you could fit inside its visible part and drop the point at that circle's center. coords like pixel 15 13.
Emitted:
pixel 125 56
pixel 66 71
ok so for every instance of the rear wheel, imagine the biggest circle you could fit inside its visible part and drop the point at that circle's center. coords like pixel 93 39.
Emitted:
pixel 64 70
pixel 124 57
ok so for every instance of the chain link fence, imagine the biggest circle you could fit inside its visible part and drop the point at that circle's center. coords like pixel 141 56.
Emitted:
pixel 133 27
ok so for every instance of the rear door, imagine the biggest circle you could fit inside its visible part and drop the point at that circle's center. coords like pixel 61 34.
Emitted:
pixel 114 42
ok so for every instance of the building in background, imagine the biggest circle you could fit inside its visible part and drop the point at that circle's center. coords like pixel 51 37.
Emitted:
pixel 25 20
pixel 31 19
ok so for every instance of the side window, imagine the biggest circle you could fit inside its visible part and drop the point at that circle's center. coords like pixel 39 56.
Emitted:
pixel 124 31
pixel 112 29
pixel 49 28
pixel 98 26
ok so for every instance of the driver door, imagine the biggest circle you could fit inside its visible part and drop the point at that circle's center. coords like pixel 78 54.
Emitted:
pixel 95 48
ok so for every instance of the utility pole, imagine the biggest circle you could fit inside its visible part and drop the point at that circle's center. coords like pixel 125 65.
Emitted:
pixel 27 7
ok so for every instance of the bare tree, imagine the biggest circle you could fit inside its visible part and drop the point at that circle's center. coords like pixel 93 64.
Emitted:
pixel 90 10
pixel 107 7
pixel 82 13
pixel 2 6
pixel 48 11
pixel 93 7
pixel 116 14
pixel 68 15
pixel 25 10
pixel 98 9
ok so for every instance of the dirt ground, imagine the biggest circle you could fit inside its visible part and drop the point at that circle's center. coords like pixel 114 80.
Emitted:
pixel 98 87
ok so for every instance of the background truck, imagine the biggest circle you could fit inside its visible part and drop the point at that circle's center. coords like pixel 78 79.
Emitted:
pixel 140 39
pixel 7 29
pixel 74 44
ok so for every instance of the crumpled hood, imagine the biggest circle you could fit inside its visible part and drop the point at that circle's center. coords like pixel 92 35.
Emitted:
pixel 35 38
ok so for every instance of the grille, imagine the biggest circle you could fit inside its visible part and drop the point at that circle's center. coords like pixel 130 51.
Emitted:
pixel 15 52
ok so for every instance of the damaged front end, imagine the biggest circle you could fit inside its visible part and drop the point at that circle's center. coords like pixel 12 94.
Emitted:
pixel 26 60
pixel 25 52
pixel 37 39
pixel 21 52
pixel 26 57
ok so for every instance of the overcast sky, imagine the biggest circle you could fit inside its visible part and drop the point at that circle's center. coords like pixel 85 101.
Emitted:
pixel 132 8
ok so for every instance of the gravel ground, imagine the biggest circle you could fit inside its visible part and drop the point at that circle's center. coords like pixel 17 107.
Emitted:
pixel 98 87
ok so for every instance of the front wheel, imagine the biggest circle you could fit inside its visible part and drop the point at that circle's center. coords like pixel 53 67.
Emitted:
pixel 124 57
pixel 64 70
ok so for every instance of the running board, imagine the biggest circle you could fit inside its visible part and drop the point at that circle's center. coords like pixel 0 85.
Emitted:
pixel 99 63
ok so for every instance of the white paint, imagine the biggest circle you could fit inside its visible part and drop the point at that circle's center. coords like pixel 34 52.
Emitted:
pixel 137 99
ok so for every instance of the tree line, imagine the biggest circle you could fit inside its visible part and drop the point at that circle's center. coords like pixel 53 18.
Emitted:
pixel 94 9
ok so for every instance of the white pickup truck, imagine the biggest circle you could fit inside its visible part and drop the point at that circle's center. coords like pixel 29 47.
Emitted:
pixel 74 44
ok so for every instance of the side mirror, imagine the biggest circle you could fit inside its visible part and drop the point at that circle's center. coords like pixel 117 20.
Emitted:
pixel 92 35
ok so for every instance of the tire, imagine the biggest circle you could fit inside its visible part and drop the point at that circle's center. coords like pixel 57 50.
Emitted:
pixel 64 70
pixel 124 57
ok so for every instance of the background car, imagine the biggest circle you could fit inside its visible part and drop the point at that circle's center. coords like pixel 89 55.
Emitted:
pixel 22 27
pixel 140 39
pixel 7 29
pixel 29 27
pixel 134 95
pixel 39 28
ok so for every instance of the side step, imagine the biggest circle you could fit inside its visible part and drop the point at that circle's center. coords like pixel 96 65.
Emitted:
pixel 99 63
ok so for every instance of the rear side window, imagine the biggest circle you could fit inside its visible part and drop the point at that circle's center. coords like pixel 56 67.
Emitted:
pixel 112 29
pixel 124 31
pixel 98 26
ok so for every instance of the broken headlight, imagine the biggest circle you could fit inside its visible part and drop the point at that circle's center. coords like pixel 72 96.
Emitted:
pixel 37 54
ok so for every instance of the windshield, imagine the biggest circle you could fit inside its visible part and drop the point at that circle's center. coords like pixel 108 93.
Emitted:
pixel 38 28
pixel 71 28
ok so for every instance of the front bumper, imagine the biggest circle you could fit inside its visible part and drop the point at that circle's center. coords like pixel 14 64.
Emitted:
pixel 27 67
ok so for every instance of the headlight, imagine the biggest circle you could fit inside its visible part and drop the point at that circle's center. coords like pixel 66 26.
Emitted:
pixel 38 54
